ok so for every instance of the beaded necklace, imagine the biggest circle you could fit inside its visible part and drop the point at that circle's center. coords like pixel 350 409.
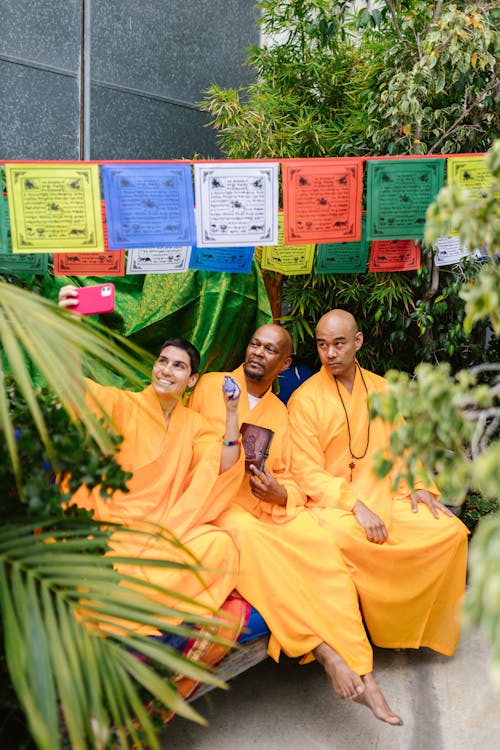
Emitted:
pixel 353 455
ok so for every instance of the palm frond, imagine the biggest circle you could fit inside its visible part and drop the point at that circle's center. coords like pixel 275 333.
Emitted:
pixel 68 666
pixel 36 332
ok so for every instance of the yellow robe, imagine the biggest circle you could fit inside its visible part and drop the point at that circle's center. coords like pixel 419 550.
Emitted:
pixel 290 569
pixel 176 486
pixel 410 587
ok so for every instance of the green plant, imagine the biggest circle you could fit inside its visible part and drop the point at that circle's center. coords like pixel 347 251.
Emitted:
pixel 476 221
pixel 307 298
pixel 445 430
pixel 75 455
pixel 59 589
pixel 300 83
pixel 482 601
pixel 453 423
pixel 34 333
pixel 402 324
pixel 412 77
pixel 476 507
pixel 401 78
pixel 58 594
pixel 437 79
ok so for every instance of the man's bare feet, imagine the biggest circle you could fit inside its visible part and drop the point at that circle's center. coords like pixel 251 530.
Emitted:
pixel 346 683
pixel 374 699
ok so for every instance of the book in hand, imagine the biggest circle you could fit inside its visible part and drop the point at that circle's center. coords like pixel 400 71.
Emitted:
pixel 256 441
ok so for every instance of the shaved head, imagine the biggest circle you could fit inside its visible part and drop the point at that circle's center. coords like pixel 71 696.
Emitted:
pixel 284 338
pixel 338 340
pixel 342 317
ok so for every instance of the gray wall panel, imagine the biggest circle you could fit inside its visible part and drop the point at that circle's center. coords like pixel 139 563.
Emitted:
pixel 147 66
pixel 40 114
pixel 172 47
pixel 45 31
pixel 124 126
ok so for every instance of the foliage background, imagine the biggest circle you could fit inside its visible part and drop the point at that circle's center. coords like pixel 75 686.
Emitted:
pixel 63 683
pixel 405 77
pixel 399 77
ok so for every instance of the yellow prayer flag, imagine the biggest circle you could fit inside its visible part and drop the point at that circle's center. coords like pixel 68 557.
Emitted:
pixel 287 259
pixel 54 207
pixel 469 172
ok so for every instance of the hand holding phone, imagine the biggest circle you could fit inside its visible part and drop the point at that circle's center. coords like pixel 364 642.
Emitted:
pixel 92 300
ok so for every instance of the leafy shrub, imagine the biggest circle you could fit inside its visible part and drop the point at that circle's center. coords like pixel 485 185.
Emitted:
pixel 79 458
pixel 475 507
pixel 77 454
pixel 403 323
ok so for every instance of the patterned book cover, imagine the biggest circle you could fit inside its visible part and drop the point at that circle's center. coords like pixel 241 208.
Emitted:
pixel 256 441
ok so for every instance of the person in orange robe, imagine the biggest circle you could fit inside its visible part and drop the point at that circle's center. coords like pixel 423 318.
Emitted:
pixel 290 569
pixel 405 550
pixel 182 479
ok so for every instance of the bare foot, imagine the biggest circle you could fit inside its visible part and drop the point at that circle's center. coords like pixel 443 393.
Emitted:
pixel 374 699
pixel 346 683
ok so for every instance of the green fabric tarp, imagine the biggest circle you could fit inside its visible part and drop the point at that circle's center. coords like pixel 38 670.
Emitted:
pixel 217 312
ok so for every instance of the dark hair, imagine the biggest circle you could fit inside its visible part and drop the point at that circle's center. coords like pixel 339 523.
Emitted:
pixel 187 346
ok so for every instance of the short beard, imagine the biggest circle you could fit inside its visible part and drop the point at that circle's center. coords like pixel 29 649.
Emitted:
pixel 252 375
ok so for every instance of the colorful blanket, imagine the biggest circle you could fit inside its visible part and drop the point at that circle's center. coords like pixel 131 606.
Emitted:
pixel 242 625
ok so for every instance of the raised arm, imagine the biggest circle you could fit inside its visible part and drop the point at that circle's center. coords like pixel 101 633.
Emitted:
pixel 231 440
pixel 68 298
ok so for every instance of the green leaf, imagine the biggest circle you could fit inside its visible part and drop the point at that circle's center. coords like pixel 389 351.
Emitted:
pixel 65 671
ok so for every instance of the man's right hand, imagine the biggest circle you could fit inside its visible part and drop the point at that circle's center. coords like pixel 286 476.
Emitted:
pixel 68 296
pixel 265 487
pixel 373 525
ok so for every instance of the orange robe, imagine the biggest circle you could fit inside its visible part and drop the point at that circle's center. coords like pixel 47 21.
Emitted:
pixel 290 569
pixel 411 586
pixel 176 486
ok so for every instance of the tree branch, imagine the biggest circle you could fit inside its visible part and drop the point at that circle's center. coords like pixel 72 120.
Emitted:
pixel 419 46
pixel 434 271
pixel 485 367
pixel 392 11
pixel 435 16
pixel 486 91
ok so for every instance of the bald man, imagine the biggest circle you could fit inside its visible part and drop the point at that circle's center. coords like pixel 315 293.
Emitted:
pixel 291 570
pixel 406 551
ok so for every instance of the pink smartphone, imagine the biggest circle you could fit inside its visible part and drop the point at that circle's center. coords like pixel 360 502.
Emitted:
pixel 95 299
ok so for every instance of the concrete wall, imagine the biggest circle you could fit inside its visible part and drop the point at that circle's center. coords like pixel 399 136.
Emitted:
pixel 116 79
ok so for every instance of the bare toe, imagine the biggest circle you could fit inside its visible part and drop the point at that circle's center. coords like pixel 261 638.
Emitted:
pixel 347 684
pixel 374 699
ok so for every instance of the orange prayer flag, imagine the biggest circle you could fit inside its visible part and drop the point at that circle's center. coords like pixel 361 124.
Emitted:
pixel 107 263
pixel 322 200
